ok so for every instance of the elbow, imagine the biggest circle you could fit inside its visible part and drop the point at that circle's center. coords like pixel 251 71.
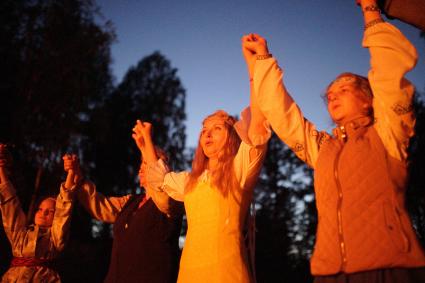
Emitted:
pixel 164 207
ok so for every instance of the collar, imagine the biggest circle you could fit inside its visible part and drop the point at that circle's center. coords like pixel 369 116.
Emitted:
pixel 352 128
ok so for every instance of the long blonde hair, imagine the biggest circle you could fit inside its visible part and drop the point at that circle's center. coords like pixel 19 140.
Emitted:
pixel 223 176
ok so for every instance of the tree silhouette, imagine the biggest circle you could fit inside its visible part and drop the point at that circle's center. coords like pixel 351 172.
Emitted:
pixel 59 62
pixel 286 216
pixel 152 92
pixel 415 197
pixel 55 72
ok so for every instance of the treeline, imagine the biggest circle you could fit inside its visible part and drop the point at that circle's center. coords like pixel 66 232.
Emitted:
pixel 58 96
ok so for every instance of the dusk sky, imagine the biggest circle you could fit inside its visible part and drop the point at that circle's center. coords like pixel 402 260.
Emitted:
pixel 313 41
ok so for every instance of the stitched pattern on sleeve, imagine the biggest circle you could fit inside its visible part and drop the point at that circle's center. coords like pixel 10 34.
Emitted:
pixel 298 147
pixel 402 109
pixel 322 137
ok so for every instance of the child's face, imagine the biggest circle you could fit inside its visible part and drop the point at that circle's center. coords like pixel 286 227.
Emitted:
pixel 344 103
pixel 45 213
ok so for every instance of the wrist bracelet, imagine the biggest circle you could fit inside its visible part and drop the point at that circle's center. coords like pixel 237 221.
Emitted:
pixel 372 8
pixel 263 57
pixel 372 23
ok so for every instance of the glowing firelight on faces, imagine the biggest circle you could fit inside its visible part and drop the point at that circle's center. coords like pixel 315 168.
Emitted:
pixel 45 213
pixel 213 137
pixel 344 103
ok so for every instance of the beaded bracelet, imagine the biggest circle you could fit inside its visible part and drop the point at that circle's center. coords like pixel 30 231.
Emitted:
pixel 263 57
pixel 372 23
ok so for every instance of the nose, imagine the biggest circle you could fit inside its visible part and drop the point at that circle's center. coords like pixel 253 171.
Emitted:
pixel 331 97
pixel 208 133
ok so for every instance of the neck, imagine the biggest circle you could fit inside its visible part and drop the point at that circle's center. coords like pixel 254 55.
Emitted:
pixel 344 122
pixel 212 163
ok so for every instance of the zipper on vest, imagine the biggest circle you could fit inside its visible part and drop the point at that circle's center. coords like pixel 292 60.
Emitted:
pixel 339 205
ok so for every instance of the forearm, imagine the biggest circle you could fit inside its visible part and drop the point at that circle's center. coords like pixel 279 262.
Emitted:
pixel 148 150
pixel 161 199
pixel 392 56
pixel 62 219
pixel 283 113
pixel 257 124
pixel 3 176
pixel 14 219
pixel 102 208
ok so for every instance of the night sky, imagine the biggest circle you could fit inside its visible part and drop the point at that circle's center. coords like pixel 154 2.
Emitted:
pixel 313 41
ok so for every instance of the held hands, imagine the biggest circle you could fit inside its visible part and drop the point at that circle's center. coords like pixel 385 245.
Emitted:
pixel 72 166
pixel 142 133
pixel 253 45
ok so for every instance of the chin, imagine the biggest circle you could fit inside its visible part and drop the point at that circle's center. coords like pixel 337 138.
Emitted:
pixel 42 224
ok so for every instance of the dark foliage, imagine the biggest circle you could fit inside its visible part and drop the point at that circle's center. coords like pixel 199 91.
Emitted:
pixel 286 217
pixel 415 197
pixel 58 96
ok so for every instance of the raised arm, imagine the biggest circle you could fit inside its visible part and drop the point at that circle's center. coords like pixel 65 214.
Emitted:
pixel 392 56
pixel 3 164
pixel 254 47
pixel 102 208
pixel 14 219
pixel 64 203
pixel 274 101
pixel 142 135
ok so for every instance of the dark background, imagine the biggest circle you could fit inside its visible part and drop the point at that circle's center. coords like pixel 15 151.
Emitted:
pixel 58 96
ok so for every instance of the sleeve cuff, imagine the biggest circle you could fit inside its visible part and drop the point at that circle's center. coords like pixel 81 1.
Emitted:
pixel 155 174
pixel 242 126
pixel 67 194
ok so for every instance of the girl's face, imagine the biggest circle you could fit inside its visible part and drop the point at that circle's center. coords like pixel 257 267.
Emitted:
pixel 213 137
pixel 45 213
pixel 344 102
